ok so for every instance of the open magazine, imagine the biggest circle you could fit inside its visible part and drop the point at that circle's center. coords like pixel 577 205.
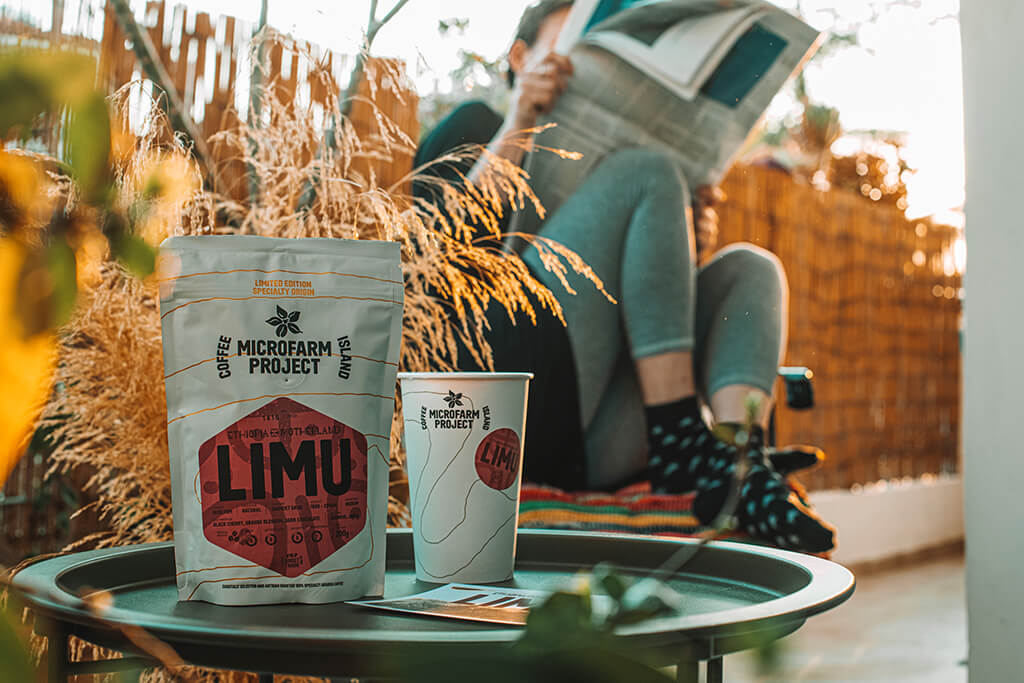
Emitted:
pixel 677 44
pixel 691 77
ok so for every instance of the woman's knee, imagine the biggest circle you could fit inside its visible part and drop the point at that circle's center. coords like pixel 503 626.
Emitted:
pixel 754 264
pixel 645 167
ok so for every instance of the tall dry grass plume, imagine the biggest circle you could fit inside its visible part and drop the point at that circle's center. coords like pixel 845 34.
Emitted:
pixel 109 410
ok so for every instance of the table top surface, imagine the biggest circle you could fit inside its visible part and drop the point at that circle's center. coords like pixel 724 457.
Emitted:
pixel 726 588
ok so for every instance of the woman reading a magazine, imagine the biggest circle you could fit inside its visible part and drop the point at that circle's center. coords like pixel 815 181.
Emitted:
pixel 618 392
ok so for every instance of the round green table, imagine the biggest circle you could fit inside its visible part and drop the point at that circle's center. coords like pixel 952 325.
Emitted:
pixel 734 594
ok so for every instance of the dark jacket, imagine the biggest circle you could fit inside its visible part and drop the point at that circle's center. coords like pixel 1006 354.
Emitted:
pixel 553 444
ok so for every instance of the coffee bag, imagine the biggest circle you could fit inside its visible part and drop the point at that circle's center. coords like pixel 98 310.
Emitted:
pixel 280 358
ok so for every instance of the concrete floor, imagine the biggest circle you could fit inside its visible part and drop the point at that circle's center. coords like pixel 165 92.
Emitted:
pixel 905 624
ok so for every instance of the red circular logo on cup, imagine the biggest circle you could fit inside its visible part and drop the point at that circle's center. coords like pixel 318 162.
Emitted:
pixel 497 459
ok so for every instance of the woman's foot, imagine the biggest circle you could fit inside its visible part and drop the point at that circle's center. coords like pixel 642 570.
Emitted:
pixel 684 455
pixel 769 509
pixel 789 459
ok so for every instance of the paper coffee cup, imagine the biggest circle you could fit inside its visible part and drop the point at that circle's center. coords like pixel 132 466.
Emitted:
pixel 464 448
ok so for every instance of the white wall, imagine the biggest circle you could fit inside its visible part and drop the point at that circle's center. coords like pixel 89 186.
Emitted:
pixel 888 520
pixel 993 50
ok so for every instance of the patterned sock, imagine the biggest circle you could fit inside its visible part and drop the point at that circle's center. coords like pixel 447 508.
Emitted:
pixel 684 455
pixel 768 508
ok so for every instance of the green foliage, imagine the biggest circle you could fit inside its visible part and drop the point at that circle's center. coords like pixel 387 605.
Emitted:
pixel 136 255
pixel 563 621
pixel 15 662
pixel 61 266
pixel 37 81
pixel 88 149
pixel 608 580
pixel 452 24
pixel 475 78
pixel 60 85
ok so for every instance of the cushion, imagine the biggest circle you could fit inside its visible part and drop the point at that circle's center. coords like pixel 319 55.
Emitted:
pixel 633 509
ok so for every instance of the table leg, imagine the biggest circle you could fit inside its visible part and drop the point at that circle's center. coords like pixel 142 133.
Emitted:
pixel 687 672
pixel 716 670
pixel 56 653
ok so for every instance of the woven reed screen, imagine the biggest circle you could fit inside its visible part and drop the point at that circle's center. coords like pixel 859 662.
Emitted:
pixel 874 312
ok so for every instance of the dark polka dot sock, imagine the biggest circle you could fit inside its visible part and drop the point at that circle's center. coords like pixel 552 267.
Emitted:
pixel 684 455
pixel 769 510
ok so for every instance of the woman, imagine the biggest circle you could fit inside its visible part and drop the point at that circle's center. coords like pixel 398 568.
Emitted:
pixel 618 391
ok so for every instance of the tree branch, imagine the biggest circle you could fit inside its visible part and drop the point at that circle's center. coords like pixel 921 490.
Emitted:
pixel 394 10
pixel 358 70
pixel 149 60
pixel 373 16
pixel 375 25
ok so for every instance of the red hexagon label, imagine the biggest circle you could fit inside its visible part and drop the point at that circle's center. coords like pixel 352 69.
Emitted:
pixel 284 487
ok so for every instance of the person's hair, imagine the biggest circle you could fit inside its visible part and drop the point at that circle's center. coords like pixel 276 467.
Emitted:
pixel 530 23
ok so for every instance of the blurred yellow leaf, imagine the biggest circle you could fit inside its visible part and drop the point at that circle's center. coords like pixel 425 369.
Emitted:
pixel 19 177
pixel 164 183
pixel 26 364
pixel 19 189
pixel 89 255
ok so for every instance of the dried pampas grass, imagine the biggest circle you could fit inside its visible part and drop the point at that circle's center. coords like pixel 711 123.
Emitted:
pixel 109 404
pixel 109 411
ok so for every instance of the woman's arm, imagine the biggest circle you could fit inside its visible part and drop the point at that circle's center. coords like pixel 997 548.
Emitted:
pixel 537 90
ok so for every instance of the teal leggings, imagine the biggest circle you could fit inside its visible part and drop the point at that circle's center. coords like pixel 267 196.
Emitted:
pixel 630 221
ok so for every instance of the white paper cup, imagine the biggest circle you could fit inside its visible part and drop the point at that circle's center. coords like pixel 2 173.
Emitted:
pixel 464 447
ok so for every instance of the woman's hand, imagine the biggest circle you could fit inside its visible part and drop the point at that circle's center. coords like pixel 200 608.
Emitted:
pixel 705 219
pixel 537 89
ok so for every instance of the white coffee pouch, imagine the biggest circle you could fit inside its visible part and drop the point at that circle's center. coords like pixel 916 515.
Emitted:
pixel 280 358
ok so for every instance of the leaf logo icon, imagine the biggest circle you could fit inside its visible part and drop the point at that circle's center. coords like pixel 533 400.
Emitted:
pixel 453 399
pixel 284 322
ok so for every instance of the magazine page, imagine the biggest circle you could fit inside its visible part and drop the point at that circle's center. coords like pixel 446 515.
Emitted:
pixel 585 14
pixel 684 55
pixel 575 24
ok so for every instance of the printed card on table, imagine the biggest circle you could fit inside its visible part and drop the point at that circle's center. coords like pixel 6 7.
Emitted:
pixel 464 601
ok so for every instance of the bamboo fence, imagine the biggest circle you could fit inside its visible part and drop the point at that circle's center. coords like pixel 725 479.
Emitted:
pixel 874 313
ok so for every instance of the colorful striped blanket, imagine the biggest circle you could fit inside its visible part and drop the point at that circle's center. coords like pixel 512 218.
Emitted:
pixel 633 509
